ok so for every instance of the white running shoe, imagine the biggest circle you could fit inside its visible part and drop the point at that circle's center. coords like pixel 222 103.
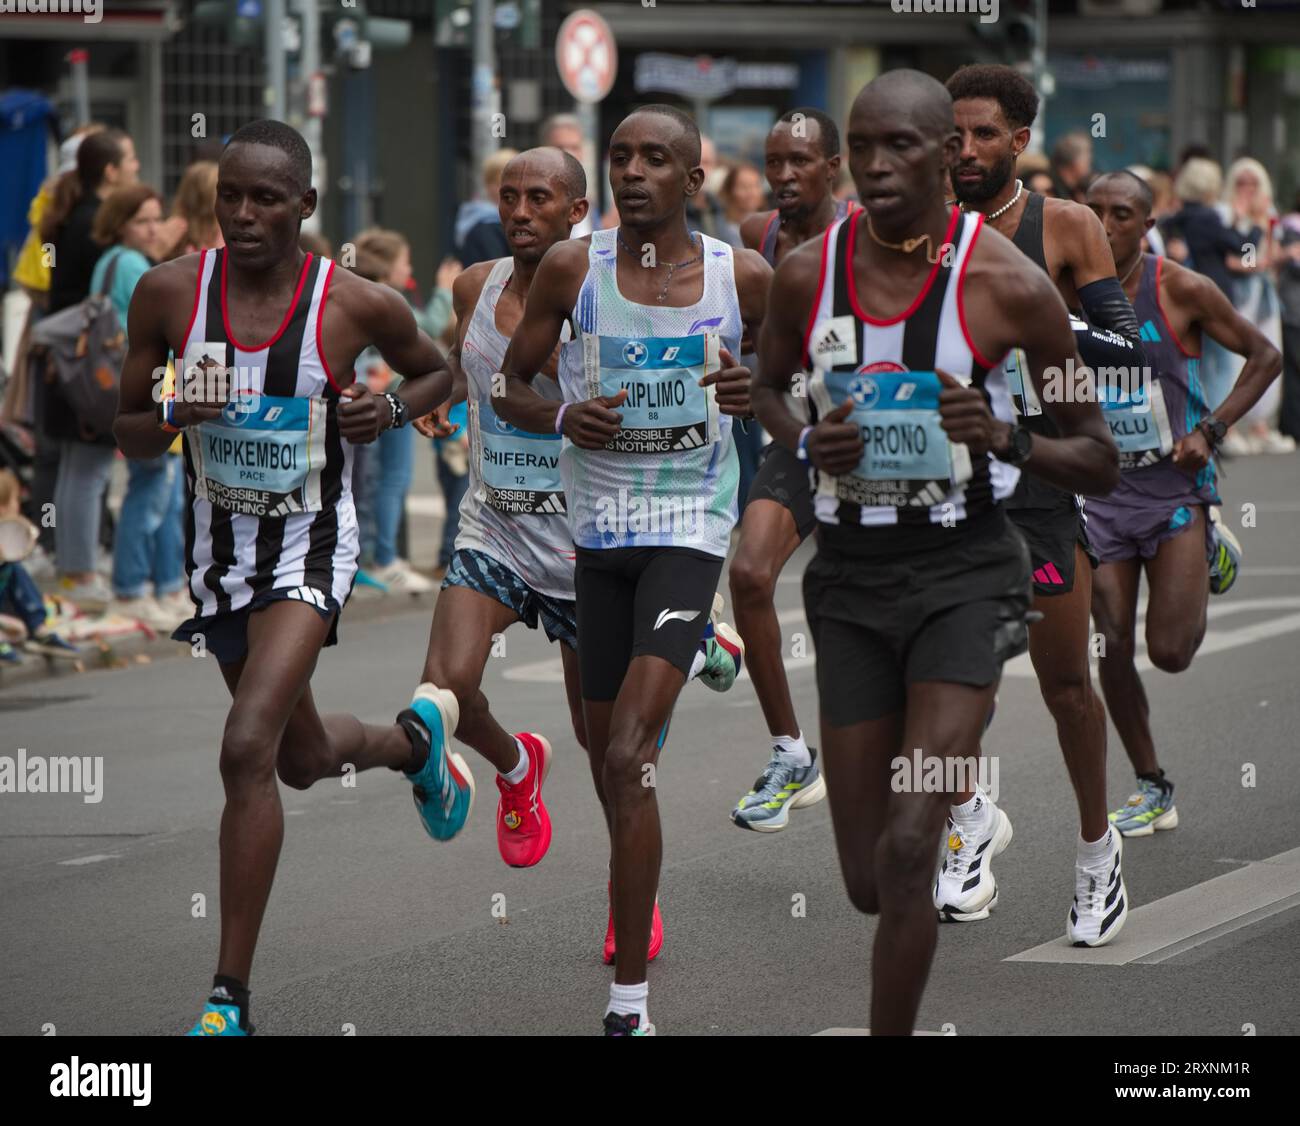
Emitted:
pixel 1273 442
pixel 399 578
pixel 965 890
pixel 94 595
pixel 178 604
pixel 144 609
pixel 1100 898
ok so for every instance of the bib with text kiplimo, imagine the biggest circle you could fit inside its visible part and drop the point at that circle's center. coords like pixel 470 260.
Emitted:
pixel 666 408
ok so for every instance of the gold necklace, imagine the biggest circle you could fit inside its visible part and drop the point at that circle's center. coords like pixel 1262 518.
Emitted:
pixel 1137 262
pixel 906 246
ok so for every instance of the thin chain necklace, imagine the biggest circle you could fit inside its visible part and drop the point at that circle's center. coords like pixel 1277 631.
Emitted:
pixel 1136 263
pixel 1020 187
pixel 906 246
pixel 673 267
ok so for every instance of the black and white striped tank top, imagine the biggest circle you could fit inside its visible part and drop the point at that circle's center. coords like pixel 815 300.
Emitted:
pixel 270 480
pixel 912 486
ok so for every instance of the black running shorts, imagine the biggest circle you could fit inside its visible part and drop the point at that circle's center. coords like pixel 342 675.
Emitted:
pixel 1052 535
pixel 954 613
pixel 783 478
pixel 639 601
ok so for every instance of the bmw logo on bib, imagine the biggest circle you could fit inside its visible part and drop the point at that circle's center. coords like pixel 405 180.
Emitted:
pixel 241 408
pixel 501 426
pixel 635 353
pixel 864 391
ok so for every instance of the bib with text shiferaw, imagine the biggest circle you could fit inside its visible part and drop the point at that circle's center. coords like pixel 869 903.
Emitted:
pixel 520 470
pixel 263 456
pixel 666 408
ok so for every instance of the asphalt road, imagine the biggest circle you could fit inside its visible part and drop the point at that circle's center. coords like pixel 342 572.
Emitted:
pixel 372 926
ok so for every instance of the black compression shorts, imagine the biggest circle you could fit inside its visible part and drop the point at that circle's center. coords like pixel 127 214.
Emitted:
pixel 640 601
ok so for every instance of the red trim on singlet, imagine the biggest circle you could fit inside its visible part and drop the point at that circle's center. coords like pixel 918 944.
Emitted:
pixel 762 239
pixel 961 305
pixel 320 323
pixel 1165 317
pixel 194 312
pixel 853 224
pixel 817 301
pixel 288 316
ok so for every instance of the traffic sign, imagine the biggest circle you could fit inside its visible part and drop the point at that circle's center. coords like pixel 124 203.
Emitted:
pixel 586 56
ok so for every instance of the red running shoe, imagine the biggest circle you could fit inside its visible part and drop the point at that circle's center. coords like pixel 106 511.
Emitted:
pixel 523 825
pixel 656 933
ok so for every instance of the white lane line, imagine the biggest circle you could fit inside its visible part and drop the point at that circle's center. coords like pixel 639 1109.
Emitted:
pixel 430 505
pixel 551 670
pixel 867 1032
pixel 95 859
pixel 1180 922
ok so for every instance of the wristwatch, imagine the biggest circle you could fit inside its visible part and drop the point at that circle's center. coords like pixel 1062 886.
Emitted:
pixel 1019 447
pixel 1213 429
pixel 398 407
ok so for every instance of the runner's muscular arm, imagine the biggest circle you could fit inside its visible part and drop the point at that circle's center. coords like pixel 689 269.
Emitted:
pixel 136 427
pixel 1019 306
pixel 390 324
pixel 550 298
pixel 465 291
pixel 732 382
pixel 1221 322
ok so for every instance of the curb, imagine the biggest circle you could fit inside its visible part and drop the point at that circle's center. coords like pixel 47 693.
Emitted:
pixel 136 649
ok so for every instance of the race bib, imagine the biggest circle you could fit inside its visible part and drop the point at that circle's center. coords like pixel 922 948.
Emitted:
pixel 1023 396
pixel 263 456
pixel 907 459
pixel 1139 423
pixel 666 408
pixel 520 471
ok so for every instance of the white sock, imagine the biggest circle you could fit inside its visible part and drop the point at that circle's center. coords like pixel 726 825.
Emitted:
pixel 973 812
pixel 516 776
pixel 1094 850
pixel 796 748
pixel 628 999
pixel 697 664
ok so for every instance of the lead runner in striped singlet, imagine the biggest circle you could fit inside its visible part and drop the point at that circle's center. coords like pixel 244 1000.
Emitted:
pixel 920 586
pixel 1161 517
pixel 802 164
pixel 651 385
pixel 271 536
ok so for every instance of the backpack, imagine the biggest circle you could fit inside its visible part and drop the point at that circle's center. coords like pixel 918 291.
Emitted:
pixel 85 347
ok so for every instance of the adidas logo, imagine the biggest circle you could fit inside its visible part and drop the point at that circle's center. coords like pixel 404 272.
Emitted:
pixel 829 342
pixel 552 504
pixel 1150 333
pixel 1048 575
pixel 692 439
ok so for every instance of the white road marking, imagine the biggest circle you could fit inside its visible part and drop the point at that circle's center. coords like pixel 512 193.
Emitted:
pixel 867 1032
pixel 95 859
pixel 1180 922
pixel 431 504
pixel 551 670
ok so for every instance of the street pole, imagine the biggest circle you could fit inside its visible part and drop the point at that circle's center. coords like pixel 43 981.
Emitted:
pixel 484 144
pixel 275 100
pixel 1042 84
pixel 309 68
pixel 79 60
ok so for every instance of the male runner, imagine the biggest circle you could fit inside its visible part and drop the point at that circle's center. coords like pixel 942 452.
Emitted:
pixel 920 585
pixel 1160 517
pixel 994 108
pixel 271 534
pixel 803 162
pixel 514 554
pixel 650 385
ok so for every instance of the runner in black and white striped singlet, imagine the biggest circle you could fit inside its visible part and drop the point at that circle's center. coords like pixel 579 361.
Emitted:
pixel 920 586
pixel 271 539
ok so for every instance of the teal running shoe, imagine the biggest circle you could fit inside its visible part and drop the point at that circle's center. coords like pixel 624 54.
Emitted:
pixel 783 786
pixel 1226 557
pixel 219 1020
pixel 443 786
pixel 1150 808
pixel 723 649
